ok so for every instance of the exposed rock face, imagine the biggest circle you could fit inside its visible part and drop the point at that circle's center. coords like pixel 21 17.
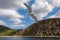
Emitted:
pixel 49 27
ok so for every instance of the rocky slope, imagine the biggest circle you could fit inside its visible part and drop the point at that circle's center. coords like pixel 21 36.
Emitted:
pixel 49 27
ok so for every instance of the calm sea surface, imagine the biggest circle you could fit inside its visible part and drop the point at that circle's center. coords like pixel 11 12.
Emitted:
pixel 29 38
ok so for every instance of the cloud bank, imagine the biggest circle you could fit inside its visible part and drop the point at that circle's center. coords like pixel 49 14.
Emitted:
pixel 8 11
pixel 43 7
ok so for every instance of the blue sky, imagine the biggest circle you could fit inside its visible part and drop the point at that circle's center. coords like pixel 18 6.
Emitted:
pixel 27 20
pixel 55 10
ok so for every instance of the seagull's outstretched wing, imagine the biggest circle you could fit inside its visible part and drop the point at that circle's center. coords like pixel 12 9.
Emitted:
pixel 29 8
pixel 34 17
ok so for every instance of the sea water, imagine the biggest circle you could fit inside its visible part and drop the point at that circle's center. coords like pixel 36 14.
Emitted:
pixel 29 38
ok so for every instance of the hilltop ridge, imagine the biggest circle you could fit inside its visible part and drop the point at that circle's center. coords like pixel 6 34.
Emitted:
pixel 48 27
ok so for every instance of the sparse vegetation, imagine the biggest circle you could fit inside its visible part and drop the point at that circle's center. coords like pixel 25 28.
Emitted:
pixel 49 27
pixel 8 33
pixel 5 31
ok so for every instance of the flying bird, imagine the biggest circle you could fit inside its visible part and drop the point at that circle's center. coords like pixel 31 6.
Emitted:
pixel 30 12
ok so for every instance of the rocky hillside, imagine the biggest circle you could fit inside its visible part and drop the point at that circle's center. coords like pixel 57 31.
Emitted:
pixel 49 27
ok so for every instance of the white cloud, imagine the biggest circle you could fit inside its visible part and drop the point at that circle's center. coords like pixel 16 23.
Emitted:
pixel 41 8
pixel 8 10
pixel 2 22
pixel 18 25
pixel 53 16
pixel 55 3
pixel 57 15
pixel 12 4
pixel 10 14
pixel 16 21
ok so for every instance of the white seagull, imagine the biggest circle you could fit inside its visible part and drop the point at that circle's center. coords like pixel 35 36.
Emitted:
pixel 30 12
